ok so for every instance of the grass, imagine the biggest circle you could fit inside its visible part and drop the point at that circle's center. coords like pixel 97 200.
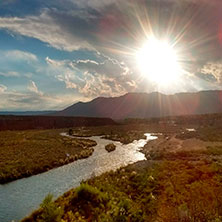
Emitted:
pixel 163 191
pixel 24 153
pixel 125 133
pixel 205 133
pixel 183 186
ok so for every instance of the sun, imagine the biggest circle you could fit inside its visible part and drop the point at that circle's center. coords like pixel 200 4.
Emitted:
pixel 158 61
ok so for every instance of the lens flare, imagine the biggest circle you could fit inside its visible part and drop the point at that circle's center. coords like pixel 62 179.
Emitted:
pixel 158 61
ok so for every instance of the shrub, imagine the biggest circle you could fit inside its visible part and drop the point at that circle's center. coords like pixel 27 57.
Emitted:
pixel 50 213
pixel 85 192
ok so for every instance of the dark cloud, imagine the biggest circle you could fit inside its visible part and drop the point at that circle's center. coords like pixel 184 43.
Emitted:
pixel 206 77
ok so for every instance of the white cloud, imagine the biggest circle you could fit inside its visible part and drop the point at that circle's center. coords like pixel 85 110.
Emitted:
pixel 20 55
pixel 10 74
pixel 33 88
pixel 108 67
pixel 14 100
pixel 55 62
pixel 67 78
pixel 92 79
pixel 3 88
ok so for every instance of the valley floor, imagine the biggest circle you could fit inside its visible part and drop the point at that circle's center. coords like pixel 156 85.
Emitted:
pixel 25 153
pixel 30 152
pixel 180 181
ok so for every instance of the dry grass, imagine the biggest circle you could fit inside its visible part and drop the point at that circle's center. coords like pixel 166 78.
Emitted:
pixel 24 153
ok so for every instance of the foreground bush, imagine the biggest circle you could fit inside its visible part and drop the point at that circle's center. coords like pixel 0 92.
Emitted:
pixel 166 191
pixel 50 212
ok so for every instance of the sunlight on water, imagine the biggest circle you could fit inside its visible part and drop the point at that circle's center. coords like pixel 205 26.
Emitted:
pixel 21 197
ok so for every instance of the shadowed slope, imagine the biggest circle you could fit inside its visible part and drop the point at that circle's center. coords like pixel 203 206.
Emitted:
pixel 144 105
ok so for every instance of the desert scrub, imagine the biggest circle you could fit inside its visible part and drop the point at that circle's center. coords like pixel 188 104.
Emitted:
pixel 110 147
pixel 25 153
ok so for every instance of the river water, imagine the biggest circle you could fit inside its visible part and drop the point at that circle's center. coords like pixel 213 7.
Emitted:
pixel 19 198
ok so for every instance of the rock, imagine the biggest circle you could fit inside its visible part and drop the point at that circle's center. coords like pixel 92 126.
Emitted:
pixel 110 147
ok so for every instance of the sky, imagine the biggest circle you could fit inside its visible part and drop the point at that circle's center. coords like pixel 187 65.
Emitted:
pixel 54 53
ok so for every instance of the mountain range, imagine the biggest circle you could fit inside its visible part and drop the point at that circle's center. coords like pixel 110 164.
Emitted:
pixel 147 105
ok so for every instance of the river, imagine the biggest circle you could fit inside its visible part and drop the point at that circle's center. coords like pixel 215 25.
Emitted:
pixel 19 198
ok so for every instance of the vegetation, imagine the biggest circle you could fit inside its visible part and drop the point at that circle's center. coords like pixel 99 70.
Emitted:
pixel 24 153
pixel 110 147
pixel 206 133
pixel 164 191
pixel 50 212
pixel 10 122
pixel 122 133
pixel 180 185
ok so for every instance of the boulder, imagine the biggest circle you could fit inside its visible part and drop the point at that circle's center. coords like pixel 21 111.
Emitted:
pixel 110 147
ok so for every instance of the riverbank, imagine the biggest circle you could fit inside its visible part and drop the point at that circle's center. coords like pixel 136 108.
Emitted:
pixel 27 153
pixel 181 181
pixel 145 191
pixel 125 133
pixel 30 152
pixel 198 144
pixel 23 196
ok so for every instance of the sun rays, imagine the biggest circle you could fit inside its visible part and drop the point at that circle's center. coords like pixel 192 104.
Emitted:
pixel 158 61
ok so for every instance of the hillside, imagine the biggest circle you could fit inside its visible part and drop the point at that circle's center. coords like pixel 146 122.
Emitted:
pixel 144 105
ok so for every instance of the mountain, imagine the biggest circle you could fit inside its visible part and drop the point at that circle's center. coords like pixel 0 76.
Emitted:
pixel 146 105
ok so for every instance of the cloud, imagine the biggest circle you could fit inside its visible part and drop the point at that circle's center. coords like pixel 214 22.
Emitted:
pixel 10 74
pixel 91 78
pixel 3 88
pixel 214 69
pixel 95 86
pixel 113 30
pixel 93 3
pixel 47 28
pixel 20 55
pixel 108 67
pixel 14 100
pixel 33 88
pixel 206 77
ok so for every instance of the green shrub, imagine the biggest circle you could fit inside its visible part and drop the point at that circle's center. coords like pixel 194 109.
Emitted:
pixel 50 213
pixel 85 192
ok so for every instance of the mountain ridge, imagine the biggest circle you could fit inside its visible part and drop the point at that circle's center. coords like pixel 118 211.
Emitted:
pixel 148 105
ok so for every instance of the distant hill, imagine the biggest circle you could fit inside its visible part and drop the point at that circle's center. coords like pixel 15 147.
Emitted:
pixel 146 105
pixel 26 113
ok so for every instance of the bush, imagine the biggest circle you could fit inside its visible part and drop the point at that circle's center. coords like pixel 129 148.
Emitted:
pixel 85 192
pixel 50 213
pixel 70 132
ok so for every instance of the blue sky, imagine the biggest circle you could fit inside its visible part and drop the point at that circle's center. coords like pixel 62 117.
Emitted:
pixel 54 53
